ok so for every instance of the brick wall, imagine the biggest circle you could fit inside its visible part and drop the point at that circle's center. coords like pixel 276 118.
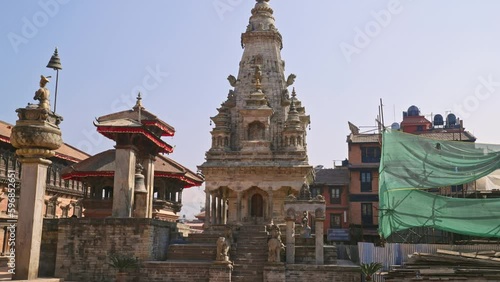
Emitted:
pixel 84 245
pixel 322 273
pixel 175 271
pixel 48 248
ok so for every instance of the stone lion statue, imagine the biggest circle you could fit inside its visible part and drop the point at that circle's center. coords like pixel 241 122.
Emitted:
pixel 275 245
pixel 222 249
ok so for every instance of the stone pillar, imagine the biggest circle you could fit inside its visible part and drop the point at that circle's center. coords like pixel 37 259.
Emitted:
pixel 320 257
pixel 30 222
pixel 238 206
pixel 219 209
pixel 35 136
pixel 123 186
pixel 290 236
pixel 214 209
pixel 148 164
pixel 270 205
pixel 224 210
pixel 207 208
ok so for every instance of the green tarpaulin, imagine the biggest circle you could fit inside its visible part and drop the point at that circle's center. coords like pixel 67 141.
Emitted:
pixel 411 164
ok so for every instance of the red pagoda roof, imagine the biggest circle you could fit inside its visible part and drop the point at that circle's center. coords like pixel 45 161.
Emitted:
pixel 141 116
pixel 103 165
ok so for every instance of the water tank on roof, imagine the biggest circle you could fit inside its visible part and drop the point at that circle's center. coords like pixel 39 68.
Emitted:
pixel 413 111
pixel 395 126
pixel 438 120
pixel 451 120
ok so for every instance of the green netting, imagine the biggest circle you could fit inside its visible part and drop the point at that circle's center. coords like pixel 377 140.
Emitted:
pixel 410 164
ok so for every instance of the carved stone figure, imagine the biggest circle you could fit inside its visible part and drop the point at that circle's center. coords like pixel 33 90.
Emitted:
pixel 222 249
pixel 232 80
pixel 42 94
pixel 306 229
pixel 291 79
pixel 274 244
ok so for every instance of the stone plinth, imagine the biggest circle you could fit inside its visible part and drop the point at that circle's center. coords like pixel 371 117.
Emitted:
pixel 220 272
pixel 35 136
pixel 320 256
pixel 274 273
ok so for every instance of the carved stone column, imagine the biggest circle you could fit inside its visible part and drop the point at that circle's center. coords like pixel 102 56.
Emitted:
pixel 270 205
pixel 148 164
pixel 36 136
pixel 207 208
pixel 238 206
pixel 219 209
pixel 319 220
pixel 290 236
pixel 224 210
pixel 214 209
pixel 123 186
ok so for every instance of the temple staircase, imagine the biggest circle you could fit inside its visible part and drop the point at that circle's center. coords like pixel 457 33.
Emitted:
pixel 250 253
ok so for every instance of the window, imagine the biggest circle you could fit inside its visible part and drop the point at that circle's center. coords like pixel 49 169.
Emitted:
pixel 366 181
pixel 315 191
pixel 335 195
pixel 370 154
pixel 335 221
pixel 457 188
pixel 366 214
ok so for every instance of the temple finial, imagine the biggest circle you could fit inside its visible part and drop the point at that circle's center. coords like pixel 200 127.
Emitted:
pixel 292 102
pixel 138 103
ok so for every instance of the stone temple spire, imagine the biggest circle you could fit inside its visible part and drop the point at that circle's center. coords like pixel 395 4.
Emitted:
pixel 258 109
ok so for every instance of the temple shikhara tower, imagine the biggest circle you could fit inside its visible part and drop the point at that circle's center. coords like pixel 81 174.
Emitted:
pixel 259 148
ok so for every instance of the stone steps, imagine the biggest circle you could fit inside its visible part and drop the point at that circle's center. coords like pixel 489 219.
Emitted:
pixel 251 254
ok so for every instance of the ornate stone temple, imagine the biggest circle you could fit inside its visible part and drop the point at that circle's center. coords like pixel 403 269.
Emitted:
pixel 259 150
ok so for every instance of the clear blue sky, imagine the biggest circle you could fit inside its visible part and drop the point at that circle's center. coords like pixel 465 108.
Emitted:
pixel 439 55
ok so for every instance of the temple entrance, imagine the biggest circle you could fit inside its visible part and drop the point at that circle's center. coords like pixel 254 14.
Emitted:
pixel 257 206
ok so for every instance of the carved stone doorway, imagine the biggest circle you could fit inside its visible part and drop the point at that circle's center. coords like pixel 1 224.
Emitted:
pixel 257 206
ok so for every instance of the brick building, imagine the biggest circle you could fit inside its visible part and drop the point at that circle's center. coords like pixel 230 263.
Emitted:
pixel 333 185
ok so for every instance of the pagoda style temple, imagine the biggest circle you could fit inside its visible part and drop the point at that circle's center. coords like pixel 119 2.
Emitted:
pixel 259 150
pixel 134 179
